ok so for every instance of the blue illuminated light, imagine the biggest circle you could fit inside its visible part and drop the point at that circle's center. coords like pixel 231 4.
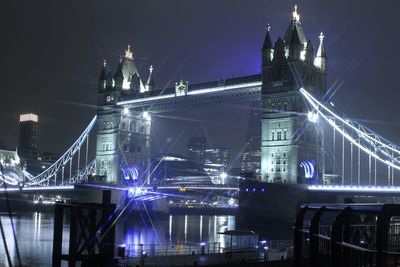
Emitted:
pixel 309 169
pixel 354 188
pixel 129 173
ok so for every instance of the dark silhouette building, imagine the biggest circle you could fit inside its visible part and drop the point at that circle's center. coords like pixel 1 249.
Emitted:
pixel 251 157
pixel 27 143
pixel 197 149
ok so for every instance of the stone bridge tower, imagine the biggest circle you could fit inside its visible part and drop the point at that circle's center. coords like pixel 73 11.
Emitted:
pixel 122 135
pixel 291 145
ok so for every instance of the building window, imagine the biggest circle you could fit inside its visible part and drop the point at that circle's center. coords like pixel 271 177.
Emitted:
pixel 272 155
pixel 273 136
pixel 278 135
pixel 132 126
pixel 284 135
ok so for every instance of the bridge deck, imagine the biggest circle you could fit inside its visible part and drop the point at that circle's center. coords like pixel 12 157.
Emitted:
pixel 246 88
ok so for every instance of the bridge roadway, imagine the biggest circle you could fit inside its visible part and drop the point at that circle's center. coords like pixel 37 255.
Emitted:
pixel 185 187
pixel 181 188
pixel 247 88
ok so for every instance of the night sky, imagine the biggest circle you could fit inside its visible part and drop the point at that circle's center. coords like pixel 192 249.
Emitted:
pixel 52 54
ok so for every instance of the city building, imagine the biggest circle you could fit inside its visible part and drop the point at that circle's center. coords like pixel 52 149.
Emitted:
pixel 218 155
pixel 197 149
pixel 28 130
pixel 49 157
pixel 251 157
pixel 175 169
pixel 292 148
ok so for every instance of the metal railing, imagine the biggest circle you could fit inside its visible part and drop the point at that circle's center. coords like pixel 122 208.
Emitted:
pixel 356 236
pixel 168 249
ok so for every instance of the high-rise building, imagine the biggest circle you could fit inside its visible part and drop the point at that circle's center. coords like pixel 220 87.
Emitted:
pixel 218 155
pixel 289 140
pixel 27 143
pixel 251 157
pixel 197 149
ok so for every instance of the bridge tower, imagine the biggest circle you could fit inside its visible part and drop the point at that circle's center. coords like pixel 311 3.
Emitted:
pixel 291 145
pixel 123 135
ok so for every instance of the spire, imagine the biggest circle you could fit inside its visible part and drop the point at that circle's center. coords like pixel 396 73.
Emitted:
pixel 309 53
pixel 104 71
pixel 150 81
pixel 104 80
pixel 295 24
pixel 295 15
pixel 321 48
pixel 267 40
pixel 128 53
pixel 320 59
pixel 295 46
pixel 295 39
pixel 267 50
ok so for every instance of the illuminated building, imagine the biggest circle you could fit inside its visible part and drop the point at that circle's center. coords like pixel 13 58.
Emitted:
pixel 123 138
pixel 292 148
pixel 219 155
pixel 197 149
pixel 48 157
pixel 251 158
pixel 27 143
pixel 174 169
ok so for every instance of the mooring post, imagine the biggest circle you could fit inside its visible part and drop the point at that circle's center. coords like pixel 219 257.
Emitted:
pixel 107 243
pixel 57 235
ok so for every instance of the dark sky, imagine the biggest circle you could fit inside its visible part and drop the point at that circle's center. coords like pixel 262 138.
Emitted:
pixel 52 52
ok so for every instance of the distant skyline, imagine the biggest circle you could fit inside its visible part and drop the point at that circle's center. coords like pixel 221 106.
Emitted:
pixel 53 53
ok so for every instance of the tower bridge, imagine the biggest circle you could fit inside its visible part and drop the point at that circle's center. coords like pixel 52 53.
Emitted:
pixel 305 140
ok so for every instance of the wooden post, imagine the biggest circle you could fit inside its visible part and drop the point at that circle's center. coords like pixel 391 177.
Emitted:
pixel 57 235
pixel 73 233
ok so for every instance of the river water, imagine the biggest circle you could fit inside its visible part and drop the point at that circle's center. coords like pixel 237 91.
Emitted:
pixel 34 233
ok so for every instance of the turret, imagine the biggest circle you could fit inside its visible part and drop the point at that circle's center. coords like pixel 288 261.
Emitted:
pixel 295 46
pixel 267 49
pixel 150 85
pixel 320 58
pixel 119 77
pixel 279 51
pixel 127 77
pixel 105 79
pixel 309 58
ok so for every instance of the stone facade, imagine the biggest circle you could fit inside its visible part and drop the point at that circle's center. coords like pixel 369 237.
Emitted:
pixel 289 140
pixel 123 135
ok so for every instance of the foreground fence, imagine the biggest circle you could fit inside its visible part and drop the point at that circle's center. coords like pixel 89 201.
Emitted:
pixel 356 235
pixel 154 250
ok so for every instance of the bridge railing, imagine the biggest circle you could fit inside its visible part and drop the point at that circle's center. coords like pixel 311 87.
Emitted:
pixel 347 235
pixel 172 249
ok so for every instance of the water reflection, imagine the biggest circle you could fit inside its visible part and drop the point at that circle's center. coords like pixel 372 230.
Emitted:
pixel 34 232
pixel 176 229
